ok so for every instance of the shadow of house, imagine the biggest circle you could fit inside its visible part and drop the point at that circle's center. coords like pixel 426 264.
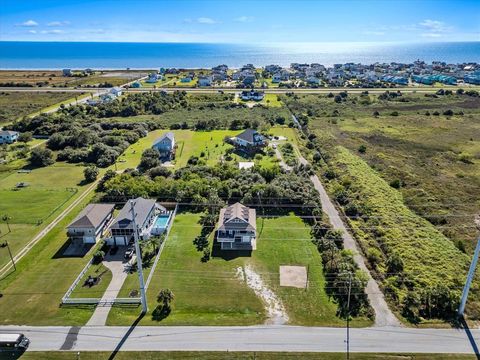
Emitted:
pixel 228 255
pixel 70 249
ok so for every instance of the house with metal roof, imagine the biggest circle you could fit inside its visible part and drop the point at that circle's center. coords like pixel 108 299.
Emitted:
pixel 91 223
pixel 8 137
pixel 237 228
pixel 146 212
pixel 165 145
pixel 249 140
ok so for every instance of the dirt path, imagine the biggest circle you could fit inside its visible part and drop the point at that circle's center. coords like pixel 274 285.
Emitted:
pixel 383 315
pixel 273 305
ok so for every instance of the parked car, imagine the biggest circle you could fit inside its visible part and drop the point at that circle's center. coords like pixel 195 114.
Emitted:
pixel 129 253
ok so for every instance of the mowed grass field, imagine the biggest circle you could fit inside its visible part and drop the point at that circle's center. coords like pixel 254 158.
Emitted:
pixel 205 293
pixel 30 209
pixel 213 293
pixel 32 293
pixel 189 143
pixel 15 105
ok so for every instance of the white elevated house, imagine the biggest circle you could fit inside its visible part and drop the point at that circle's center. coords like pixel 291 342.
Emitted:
pixel 237 228
pixel 205 81
pixel 146 213
pixel 91 223
pixel 252 95
pixel 8 136
pixel 116 91
pixel 249 140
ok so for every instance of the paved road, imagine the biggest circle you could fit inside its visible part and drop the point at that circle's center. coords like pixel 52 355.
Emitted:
pixel 383 315
pixel 226 90
pixel 246 338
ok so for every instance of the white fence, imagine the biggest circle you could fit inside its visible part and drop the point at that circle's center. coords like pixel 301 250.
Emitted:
pixel 65 298
pixel 100 302
pixel 169 226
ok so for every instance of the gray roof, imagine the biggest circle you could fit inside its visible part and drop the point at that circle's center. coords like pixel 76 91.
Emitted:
pixel 143 207
pixel 92 216
pixel 249 135
pixel 8 132
pixel 168 135
pixel 237 217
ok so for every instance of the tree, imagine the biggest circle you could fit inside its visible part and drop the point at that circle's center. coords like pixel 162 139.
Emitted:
pixel 25 137
pixel 165 297
pixel 41 157
pixel 90 173
pixel 362 149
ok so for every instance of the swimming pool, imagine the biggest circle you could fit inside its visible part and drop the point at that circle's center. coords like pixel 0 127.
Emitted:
pixel 161 223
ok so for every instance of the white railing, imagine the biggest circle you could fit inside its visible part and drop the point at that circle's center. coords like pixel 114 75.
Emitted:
pixel 169 226
pixel 75 283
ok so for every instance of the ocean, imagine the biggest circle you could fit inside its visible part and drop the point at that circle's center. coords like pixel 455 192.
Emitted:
pixel 58 55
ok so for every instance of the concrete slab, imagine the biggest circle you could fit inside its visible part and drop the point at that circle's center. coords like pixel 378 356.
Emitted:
pixel 293 276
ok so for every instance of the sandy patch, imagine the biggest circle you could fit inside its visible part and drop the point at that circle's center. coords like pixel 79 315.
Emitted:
pixel 293 276
pixel 273 305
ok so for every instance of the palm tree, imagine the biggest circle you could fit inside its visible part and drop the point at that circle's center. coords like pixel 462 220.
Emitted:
pixel 165 297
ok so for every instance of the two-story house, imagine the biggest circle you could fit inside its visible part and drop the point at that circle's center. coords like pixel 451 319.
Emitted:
pixel 165 145
pixel 237 228
pixel 146 212
pixel 249 139
pixel 91 223
pixel 8 137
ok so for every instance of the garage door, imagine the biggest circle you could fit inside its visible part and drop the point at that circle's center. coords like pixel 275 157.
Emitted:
pixel 121 240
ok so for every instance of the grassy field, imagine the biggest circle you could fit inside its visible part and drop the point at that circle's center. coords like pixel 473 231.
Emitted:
pixel 96 291
pixel 32 293
pixel 433 159
pixel 413 175
pixel 220 355
pixel 205 293
pixel 55 78
pixel 15 105
pixel 50 190
pixel 281 241
pixel 190 143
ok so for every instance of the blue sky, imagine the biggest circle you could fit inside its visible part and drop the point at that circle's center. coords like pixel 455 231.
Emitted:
pixel 240 21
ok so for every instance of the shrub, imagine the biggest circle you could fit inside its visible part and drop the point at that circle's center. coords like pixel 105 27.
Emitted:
pixel 98 256
pixel 90 173
pixel 362 149
pixel 394 113
pixel 396 184
pixel 448 112
pixel 41 157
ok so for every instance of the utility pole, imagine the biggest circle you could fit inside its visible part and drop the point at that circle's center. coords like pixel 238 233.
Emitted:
pixel 139 260
pixel 348 314
pixel 468 282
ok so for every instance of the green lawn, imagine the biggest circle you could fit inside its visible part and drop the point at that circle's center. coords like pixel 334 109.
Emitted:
pixel 212 294
pixel 96 291
pixel 205 293
pixel 189 143
pixel 15 105
pixel 50 190
pixel 220 355
pixel 32 293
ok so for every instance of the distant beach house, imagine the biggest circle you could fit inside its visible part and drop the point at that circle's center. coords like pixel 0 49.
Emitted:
pixel 116 91
pixel 136 85
pixel 186 79
pixel 236 229
pixel 249 140
pixel 252 95
pixel 205 81
pixel 146 213
pixel 153 78
pixel 90 224
pixel 165 145
pixel 8 137
pixel 67 72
